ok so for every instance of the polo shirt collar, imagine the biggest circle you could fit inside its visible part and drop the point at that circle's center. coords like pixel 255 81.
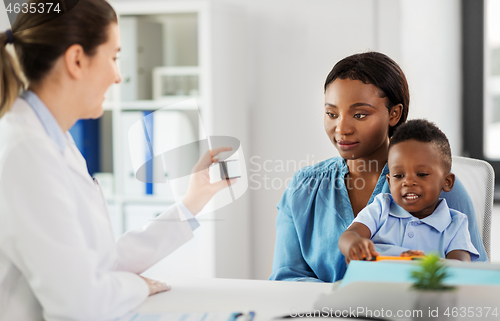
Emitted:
pixel 46 118
pixel 439 220
pixel 397 211
pixel 441 217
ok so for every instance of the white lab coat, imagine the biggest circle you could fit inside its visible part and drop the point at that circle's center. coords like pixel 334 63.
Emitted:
pixel 58 258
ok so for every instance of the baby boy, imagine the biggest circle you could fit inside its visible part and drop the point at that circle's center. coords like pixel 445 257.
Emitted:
pixel 412 220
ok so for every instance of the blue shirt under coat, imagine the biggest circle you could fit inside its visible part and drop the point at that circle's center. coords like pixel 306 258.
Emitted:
pixel 394 230
pixel 315 210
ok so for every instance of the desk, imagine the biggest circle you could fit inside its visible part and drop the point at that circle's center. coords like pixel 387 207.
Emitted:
pixel 267 298
pixel 274 298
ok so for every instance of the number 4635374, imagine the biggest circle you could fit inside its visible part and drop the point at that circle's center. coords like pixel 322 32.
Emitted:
pixel 471 312
pixel 33 7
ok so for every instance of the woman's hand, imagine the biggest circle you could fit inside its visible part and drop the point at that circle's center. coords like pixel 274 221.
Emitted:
pixel 413 253
pixel 360 249
pixel 200 190
pixel 156 286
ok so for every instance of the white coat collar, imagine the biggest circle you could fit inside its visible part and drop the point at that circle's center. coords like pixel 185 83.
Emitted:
pixel 23 114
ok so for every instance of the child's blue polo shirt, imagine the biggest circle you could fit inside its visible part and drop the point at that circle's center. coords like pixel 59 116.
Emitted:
pixel 394 230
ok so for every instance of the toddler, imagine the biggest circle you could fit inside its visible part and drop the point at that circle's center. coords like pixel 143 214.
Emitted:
pixel 412 219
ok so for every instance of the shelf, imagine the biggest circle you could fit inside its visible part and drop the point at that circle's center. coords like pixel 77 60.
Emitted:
pixel 166 80
pixel 157 7
pixel 143 199
pixel 179 103
pixel 178 70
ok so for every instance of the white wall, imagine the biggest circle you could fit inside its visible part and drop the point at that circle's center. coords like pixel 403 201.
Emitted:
pixel 431 59
pixel 4 20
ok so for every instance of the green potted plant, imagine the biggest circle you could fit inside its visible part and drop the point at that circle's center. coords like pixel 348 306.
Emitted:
pixel 433 297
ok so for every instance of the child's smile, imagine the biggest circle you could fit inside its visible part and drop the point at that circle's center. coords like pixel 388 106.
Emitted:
pixel 411 197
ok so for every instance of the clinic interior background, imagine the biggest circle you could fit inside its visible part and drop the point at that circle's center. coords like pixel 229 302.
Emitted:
pixel 286 48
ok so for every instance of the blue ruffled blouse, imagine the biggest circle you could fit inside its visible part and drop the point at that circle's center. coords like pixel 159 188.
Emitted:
pixel 315 210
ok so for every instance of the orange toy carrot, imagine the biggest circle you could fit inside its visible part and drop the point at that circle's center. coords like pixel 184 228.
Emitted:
pixel 395 258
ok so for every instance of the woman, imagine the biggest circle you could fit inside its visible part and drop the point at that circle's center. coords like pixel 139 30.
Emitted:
pixel 58 258
pixel 366 99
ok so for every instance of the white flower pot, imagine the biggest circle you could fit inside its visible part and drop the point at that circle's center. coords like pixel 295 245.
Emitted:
pixel 434 304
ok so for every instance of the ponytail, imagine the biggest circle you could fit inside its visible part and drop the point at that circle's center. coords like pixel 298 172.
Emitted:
pixel 11 81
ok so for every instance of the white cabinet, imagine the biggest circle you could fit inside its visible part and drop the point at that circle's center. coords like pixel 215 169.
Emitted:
pixel 181 63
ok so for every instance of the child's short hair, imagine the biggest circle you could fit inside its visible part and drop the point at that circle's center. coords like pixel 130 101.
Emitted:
pixel 424 131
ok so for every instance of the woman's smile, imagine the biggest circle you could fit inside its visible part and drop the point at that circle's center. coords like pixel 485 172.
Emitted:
pixel 346 144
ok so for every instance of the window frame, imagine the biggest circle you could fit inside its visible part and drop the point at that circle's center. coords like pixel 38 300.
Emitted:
pixel 473 33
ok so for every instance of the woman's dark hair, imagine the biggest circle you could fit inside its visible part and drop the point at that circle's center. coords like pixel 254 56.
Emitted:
pixel 379 70
pixel 39 39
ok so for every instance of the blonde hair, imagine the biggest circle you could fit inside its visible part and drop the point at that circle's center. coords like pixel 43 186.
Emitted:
pixel 11 78
pixel 39 39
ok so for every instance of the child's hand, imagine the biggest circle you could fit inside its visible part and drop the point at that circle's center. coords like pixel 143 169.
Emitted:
pixel 413 253
pixel 361 248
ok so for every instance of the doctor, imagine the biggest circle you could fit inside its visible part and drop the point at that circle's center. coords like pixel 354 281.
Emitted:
pixel 58 258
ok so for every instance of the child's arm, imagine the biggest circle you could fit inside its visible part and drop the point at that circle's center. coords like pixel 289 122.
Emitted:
pixel 460 255
pixel 355 243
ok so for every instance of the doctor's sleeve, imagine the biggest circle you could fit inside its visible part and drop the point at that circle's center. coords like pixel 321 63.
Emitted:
pixel 140 249
pixel 458 199
pixel 43 238
pixel 288 262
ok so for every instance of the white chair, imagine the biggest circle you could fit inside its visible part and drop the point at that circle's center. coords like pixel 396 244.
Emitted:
pixel 478 178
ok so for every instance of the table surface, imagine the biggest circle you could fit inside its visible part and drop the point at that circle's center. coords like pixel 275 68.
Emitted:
pixel 268 299
pixel 271 299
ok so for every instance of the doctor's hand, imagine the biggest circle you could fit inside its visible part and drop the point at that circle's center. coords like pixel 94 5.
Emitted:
pixel 156 286
pixel 200 190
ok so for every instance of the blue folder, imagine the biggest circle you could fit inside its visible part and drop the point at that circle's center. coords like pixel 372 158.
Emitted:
pixel 85 133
